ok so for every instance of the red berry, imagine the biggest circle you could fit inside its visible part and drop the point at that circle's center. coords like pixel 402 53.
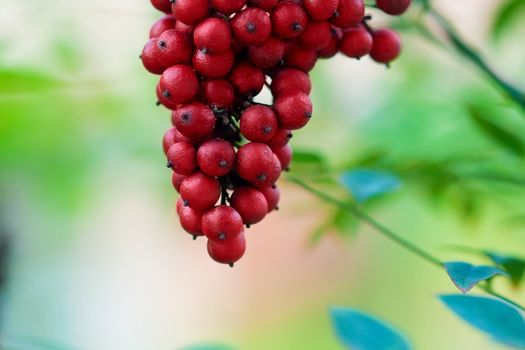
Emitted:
pixel 247 79
pixel 162 5
pixel 394 7
pixel 184 28
pixel 174 48
pixel 218 93
pixel 294 111
pixel 213 65
pixel 179 84
pixel 195 120
pixel 171 137
pixel 284 154
pixel 356 42
pixel 163 98
pixel 182 158
pixel 297 56
pixel 258 123
pixel 176 180
pixel 332 48
pixel 289 20
pixel 290 80
pixel 266 5
pixel 227 252
pixel 228 7
pixel 349 13
pixel 280 139
pixel 272 195
pixel 257 164
pixel 317 35
pixel 250 203
pixel 150 59
pixel 222 223
pixel 216 157
pixel 199 191
pixel 190 11
pixel 212 34
pixel 267 55
pixel 190 219
pixel 251 26
pixel 386 47
pixel 164 23
pixel 321 10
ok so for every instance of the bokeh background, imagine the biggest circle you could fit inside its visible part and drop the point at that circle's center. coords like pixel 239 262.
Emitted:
pixel 97 259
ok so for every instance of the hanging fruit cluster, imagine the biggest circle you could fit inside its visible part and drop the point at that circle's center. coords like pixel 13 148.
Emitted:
pixel 214 57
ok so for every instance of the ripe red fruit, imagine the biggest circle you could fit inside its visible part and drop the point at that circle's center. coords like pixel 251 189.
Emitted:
pixel 228 7
pixel 250 203
pixel 199 191
pixel 386 47
pixel 268 54
pixel 190 12
pixel 212 34
pixel 257 164
pixel 247 79
pixel 394 7
pixel 171 137
pixel 218 93
pixel 194 120
pixel 162 5
pixel 317 35
pixel 190 219
pixel 213 65
pixel 332 48
pixel 176 180
pixel 266 5
pixel 289 80
pixel 184 28
pixel 179 84
pixel 321 10
pixel 182 158
pixel 294 111
pixel 356 42
pixel 174 48
pixel 272 195
pixel 164 23
pixel 222 223
pixel 227 252
pixel 216 157
pixel 297 56
pixel 349 13
pixel 289 20
pixel 150 59
pixel 258 123
pixel 162 98
pixel 251 26
pixel 280 139
pixel 284 154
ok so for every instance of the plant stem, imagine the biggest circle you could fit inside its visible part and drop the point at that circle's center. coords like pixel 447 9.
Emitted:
pixel 354 209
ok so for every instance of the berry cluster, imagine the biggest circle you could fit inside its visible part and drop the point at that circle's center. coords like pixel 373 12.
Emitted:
pixel 214 58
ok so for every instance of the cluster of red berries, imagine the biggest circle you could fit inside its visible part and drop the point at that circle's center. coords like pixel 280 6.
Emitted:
pixel 214 58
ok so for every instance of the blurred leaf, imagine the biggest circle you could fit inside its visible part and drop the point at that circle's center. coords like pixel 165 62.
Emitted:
pixel 497 133
pixel 303 156
pixel 514 266
pixel 508 13
pixel 365 184
pixel 502 321
pixel 22 81
pixel 465 276
pixel 339 220
pixel 359 331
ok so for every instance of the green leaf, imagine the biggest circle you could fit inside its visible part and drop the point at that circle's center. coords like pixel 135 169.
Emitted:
pixel 508 13
pixel 514 266
pixel 465 276
pixel 365 184
pixel 359 331
pixel 498 134
pixel 502 321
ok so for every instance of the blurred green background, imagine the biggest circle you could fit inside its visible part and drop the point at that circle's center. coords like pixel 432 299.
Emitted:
pixel 97 259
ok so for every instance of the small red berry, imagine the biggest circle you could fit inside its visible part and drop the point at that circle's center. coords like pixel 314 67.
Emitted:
pixel 356 42
pixel 280 139
pixel 251 26
pixel 268 54
pixel 195 120
pixel 258 123
pixel 247 79
pixel 218 93
pixel 349 13
pixel 317 35
pixel 216 157
pixel 321 10
pixel 228 7
pixel 174 48
pixel 162 5
pixel 212 34
pixel 250 203
pixel 285 155
pixel 222 223
pixel 394 7
pixel 199 191
pixel 272 195
pixel 290 80
pixel 332 48
pixel 213 65
pixel 182 158
pixel 150 58
pixel 386 47
pixel 266 5
pixel 297 56
pixel 184 28
pixel 289 20
pixel 164 23
pixel 176 180
pixel 227 252
pixel 171 137
pixel 163 98
pixel 190 12
pixel 257 164
pixel 190 219
pixel 294 111
pixel 179 84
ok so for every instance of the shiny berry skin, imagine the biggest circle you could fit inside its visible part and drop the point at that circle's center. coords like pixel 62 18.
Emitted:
pixel 222 223
pixel 258 123
pixel 280 139
pixel 190 12
pixel 218 93
pixel 289 20
pixel 297 56
pixel 247 79
pixel 257 164
pixel 150 59
pixel 200 192
pixel 356 42
pixel 176 180
pixel 212 34
pixel 393 7
pixel 174 48
pixel 163 98
pixel 228 7
pixel 184 28
pixel 321 10
pixel 272 195
pixel 284 154
pixel 250 203
pixel 268 54
pixel 162 5
pixel 182 158
pixel 213 65
pixel 386 47
pixel 179 84
pixel 266 5
pixel 349 13
pixel 227 252
pixel 294 111
pixel 164 23
pixel 194 120
pixel 316 36
pixel 190 219
pixel 290 80
pixel 251 26
pixel 216 157
pixel 332 48
pixel 171 137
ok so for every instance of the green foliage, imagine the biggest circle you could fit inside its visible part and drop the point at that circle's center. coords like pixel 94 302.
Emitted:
pixel 510 12
pixel 466 276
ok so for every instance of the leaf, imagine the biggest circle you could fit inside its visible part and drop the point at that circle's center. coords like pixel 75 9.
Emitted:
pixel 507 14
pixel 497 133
pixel 465 276
pixel 514 266
pixel 359 331
pixel 365 184
pixel 502 321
